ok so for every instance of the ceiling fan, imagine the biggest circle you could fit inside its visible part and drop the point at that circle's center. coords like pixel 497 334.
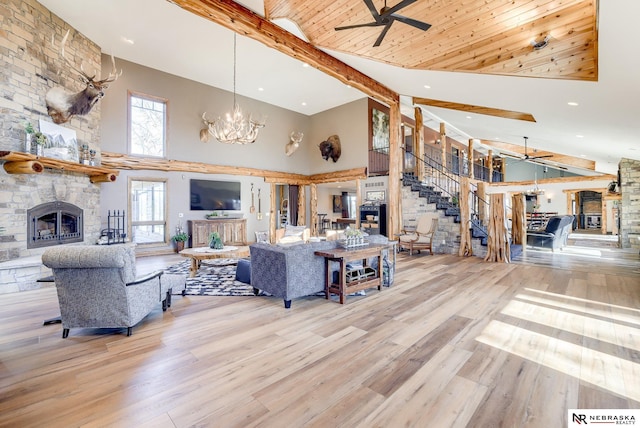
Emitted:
pixel 386 17
pixel 526 155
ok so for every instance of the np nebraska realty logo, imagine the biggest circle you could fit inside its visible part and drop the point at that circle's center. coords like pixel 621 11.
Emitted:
pixel 582 417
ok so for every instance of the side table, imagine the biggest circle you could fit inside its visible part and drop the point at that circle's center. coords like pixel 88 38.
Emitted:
pixel 344 255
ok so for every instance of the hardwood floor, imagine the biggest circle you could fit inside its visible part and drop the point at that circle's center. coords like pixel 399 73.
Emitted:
pixel 454 342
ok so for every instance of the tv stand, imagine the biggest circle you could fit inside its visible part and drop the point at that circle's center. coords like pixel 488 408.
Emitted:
pixel 233 231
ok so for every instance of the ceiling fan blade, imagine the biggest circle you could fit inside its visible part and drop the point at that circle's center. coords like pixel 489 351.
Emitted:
pixel 383 33
pixel 372 9
pixel 507 114
pixel 393 9
pixel 539 157
pixel 414 23
pixel 368 24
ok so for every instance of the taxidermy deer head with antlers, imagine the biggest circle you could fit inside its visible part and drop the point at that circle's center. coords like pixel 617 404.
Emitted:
pixel 295 138
pixel 62 105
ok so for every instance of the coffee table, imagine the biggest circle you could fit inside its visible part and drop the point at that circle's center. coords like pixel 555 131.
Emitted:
pixel 197 255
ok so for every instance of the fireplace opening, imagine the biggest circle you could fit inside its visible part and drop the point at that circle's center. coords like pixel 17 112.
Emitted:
pixel 54 223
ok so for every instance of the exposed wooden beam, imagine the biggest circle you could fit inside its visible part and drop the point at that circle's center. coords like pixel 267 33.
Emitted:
pixel 555 157
pixel 238 18
pixel 489 111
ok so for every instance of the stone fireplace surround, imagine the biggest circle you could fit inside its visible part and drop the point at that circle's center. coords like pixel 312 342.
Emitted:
pixel 21 267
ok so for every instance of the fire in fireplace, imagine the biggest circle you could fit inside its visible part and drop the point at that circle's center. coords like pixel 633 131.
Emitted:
pixel 54 223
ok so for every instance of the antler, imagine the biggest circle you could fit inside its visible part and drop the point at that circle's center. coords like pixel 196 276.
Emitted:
pixel 113 75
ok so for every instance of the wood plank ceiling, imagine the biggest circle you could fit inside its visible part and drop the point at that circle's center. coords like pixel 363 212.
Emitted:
pixel 477 36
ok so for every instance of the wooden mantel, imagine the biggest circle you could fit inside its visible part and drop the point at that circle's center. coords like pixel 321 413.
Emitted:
pixel 26 163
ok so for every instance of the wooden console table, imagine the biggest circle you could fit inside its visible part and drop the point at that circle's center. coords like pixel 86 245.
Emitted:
pixel 344 255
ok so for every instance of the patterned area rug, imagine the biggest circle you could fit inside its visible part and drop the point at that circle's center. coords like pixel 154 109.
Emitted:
pixel 214 278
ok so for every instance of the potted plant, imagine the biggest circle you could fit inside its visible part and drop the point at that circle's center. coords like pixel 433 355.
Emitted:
pixel 215 241
pixel 180 238
pixel 29 131
pixel 41 139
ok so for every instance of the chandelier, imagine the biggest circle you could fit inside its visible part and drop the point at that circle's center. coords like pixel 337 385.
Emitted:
pixel 236 128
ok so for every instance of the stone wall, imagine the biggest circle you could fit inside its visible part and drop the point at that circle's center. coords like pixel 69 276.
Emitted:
pixel 29 67
pixel 630 206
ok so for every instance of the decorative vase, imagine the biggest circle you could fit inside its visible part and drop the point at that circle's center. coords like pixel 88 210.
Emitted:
pixel 39 150
pixel 179 246
pixel 27 143
pixel 216 244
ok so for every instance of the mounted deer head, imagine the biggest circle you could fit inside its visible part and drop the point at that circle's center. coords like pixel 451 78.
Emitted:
pixel 295 138
pixel 205 133
pixel 62 105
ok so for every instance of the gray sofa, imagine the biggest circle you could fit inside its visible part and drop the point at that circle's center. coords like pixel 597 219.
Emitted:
pixel 97 287
pixel 292 271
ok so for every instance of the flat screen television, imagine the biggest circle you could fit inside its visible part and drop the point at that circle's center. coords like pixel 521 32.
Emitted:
pixel 213 195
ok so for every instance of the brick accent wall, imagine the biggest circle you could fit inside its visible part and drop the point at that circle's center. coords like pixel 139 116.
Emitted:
pixel 29 67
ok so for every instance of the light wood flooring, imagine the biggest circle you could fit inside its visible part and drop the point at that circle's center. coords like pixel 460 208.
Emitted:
pixel 455 342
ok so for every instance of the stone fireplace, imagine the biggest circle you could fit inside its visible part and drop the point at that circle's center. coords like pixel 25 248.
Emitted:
pixel 54 223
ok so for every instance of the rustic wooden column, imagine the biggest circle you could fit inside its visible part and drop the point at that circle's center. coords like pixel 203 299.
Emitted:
pixel 490 158
pixel 419 136
pixel 313 203
pixel 518 221
pixel 470 158
pixel 465 217
pixel 483 203
pixel 443 143
pixel 395 162
pixel 498 248
pixel 302 206
pixel 358 202
pixel 272 213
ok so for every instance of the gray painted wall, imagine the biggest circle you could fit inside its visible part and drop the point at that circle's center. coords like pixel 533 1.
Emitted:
pixel 187 101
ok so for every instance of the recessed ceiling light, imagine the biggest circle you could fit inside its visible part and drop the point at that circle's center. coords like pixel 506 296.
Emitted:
pixel 261 89
pixel 572 103
pixel 304 103
pixel 583 156
pixel 126 40
pixel 305 65
pixel 468 117
pixel 579 136
pixel 427 87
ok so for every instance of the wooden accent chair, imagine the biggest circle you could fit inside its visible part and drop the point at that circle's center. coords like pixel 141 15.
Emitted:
pixel 422 237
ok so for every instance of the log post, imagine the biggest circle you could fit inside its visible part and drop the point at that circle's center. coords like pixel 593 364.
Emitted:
pixel 23 167
pixel 103 178
pixel 302 206
pixel 490 158
pixel 272 213
pixel 470 159
pixel 443 143
pixel 313 202
pixel 395 162
pixel 465 217
pixel 498 248
pixel 419 137
pixel 358 202
pixel 518 221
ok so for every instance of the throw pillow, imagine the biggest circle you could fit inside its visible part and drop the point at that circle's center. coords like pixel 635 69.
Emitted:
pixel 296 231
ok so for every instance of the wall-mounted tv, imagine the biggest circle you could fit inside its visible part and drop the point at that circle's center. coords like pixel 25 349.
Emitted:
pixel 213 195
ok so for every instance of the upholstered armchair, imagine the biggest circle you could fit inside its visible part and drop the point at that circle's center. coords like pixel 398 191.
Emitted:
pixel 97 287
pixel 422 237
pixel 554 235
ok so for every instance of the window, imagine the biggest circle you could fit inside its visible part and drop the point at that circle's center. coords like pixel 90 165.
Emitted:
pixel 148 211
pixel 147 125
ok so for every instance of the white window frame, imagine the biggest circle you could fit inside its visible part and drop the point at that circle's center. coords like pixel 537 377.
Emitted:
pixel 132 94
pixel 164 222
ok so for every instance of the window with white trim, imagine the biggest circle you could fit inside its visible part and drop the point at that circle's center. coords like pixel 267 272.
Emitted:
pixel 147 125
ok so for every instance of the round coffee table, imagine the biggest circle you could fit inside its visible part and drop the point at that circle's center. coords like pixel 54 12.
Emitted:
pixel 197 255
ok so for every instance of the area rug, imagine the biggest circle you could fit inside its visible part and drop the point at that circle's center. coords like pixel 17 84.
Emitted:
pixel 212 279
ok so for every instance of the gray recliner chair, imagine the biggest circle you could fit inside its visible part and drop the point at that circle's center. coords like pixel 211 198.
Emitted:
pixel 555 233
pixel 97 287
